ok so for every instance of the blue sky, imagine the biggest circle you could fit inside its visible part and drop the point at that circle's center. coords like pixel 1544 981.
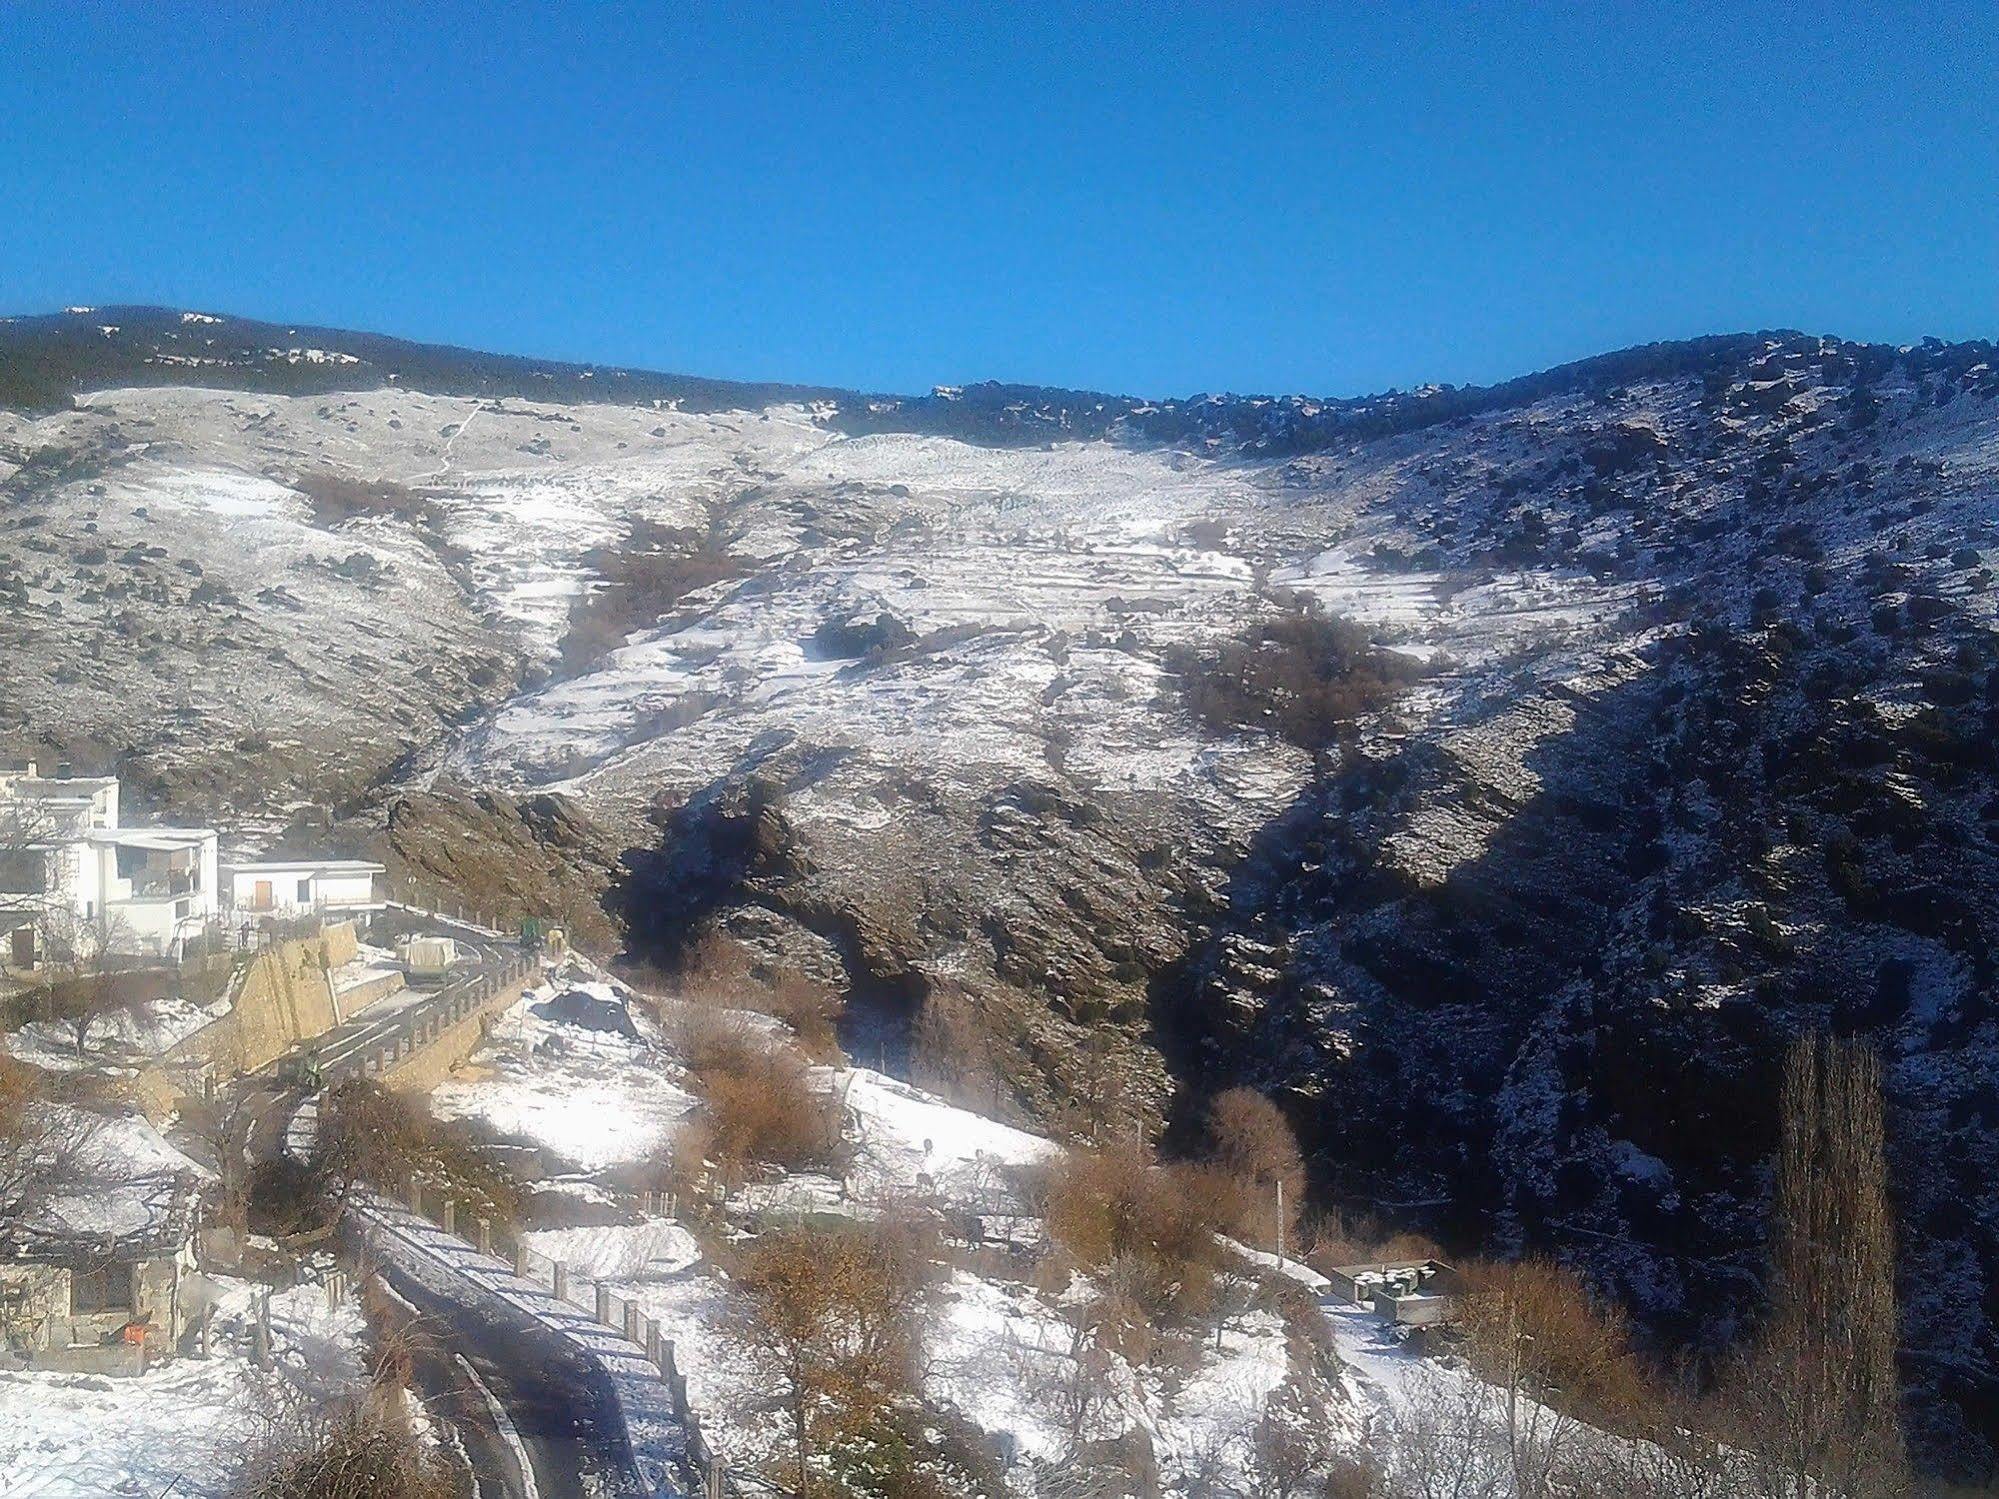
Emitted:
pixel 1153 200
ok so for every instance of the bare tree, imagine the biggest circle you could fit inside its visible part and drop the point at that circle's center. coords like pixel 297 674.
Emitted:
pixel 221 1116
pixel 38 1138
pixel 1555 1361
pixel 1446 1440
pixel 1252 1141
pixel 1083 1389
pixel 1821 1392
pixel 89 981
pixel 834 1320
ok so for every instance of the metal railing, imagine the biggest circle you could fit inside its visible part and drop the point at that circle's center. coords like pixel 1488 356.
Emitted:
pixel 619 1313
pixel 424 1023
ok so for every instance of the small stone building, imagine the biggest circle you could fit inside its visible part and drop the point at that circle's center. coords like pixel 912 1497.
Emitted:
pixel 97 1250
pixel 1414 1293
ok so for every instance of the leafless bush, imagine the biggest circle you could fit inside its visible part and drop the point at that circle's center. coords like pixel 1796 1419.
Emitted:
pixel 338 498
pixel 717 970
pixel 1302 674
pixel 1444 1440
pixel 1146 1230
pixel 1336 1238
pixel 715 1039
pixel 760 1109
pixel 1557 1362
pixel 359 1449
pixel 1252 1145
pixel 956 1052
pixel 369 1134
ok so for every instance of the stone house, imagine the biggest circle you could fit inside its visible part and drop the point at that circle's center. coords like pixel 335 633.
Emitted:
pixel 97 1248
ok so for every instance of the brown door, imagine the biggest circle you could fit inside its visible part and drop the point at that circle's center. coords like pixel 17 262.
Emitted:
pixel 261 900
pixel 24 947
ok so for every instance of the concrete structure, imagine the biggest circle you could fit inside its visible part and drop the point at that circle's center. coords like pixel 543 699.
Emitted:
pixel 97 1251
pixel 1414 1293
pixel 75 882
pixel 298 887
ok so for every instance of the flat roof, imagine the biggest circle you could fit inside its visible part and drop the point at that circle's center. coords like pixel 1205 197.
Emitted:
pixel 152 837
pixel 317 866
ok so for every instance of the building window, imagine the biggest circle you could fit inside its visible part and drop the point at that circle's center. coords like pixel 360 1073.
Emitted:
pixel 24 872
pixel 108 1289
pixel 305 892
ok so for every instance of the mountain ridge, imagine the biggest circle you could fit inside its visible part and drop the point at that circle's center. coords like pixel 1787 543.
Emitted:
pixel 46 358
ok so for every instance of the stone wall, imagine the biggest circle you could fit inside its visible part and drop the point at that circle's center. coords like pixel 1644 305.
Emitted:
pixel 284 997
pixel 38 1329
pixel 32 1299
pixel 427 1065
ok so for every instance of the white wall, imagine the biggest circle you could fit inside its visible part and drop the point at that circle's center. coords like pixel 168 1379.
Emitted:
pixel 322 890
pixel 345 889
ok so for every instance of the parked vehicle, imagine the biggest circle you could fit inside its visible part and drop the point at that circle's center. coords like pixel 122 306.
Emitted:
pixel 429 960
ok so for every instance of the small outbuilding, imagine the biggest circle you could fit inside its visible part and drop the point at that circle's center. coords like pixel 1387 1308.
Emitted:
pixel 299 887
pixel 97 1247
pixel 1413 1293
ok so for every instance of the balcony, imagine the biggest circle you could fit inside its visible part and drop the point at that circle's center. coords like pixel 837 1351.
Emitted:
pixel 165 884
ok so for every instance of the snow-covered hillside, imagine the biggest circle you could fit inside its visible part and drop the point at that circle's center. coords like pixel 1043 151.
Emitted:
pixel 1699 758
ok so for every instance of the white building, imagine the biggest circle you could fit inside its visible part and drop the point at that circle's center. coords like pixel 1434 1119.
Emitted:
pixel 298 887
pixel 73 881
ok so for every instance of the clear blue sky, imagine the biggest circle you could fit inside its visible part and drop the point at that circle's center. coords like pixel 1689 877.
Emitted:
pixel 1156 200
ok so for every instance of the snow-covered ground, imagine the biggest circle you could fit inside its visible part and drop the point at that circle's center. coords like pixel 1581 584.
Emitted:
pixel 1001 1350
pixel 592 1099
pixel 124 1038
pixel 185 1426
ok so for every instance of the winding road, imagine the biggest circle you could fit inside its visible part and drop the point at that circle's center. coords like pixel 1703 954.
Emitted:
pixel 533 1418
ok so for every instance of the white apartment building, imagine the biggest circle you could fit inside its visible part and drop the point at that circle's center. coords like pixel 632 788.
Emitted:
pixel 73 880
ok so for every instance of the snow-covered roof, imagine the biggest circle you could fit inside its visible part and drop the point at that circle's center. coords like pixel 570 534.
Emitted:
pixel 115 1189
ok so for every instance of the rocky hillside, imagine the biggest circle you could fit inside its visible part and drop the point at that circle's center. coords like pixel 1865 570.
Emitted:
pixel 1666 733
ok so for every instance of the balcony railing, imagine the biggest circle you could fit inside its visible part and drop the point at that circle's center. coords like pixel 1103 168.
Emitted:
pixel 165 885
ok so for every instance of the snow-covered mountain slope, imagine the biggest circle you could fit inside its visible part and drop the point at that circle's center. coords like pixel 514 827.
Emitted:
pixel 906 691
